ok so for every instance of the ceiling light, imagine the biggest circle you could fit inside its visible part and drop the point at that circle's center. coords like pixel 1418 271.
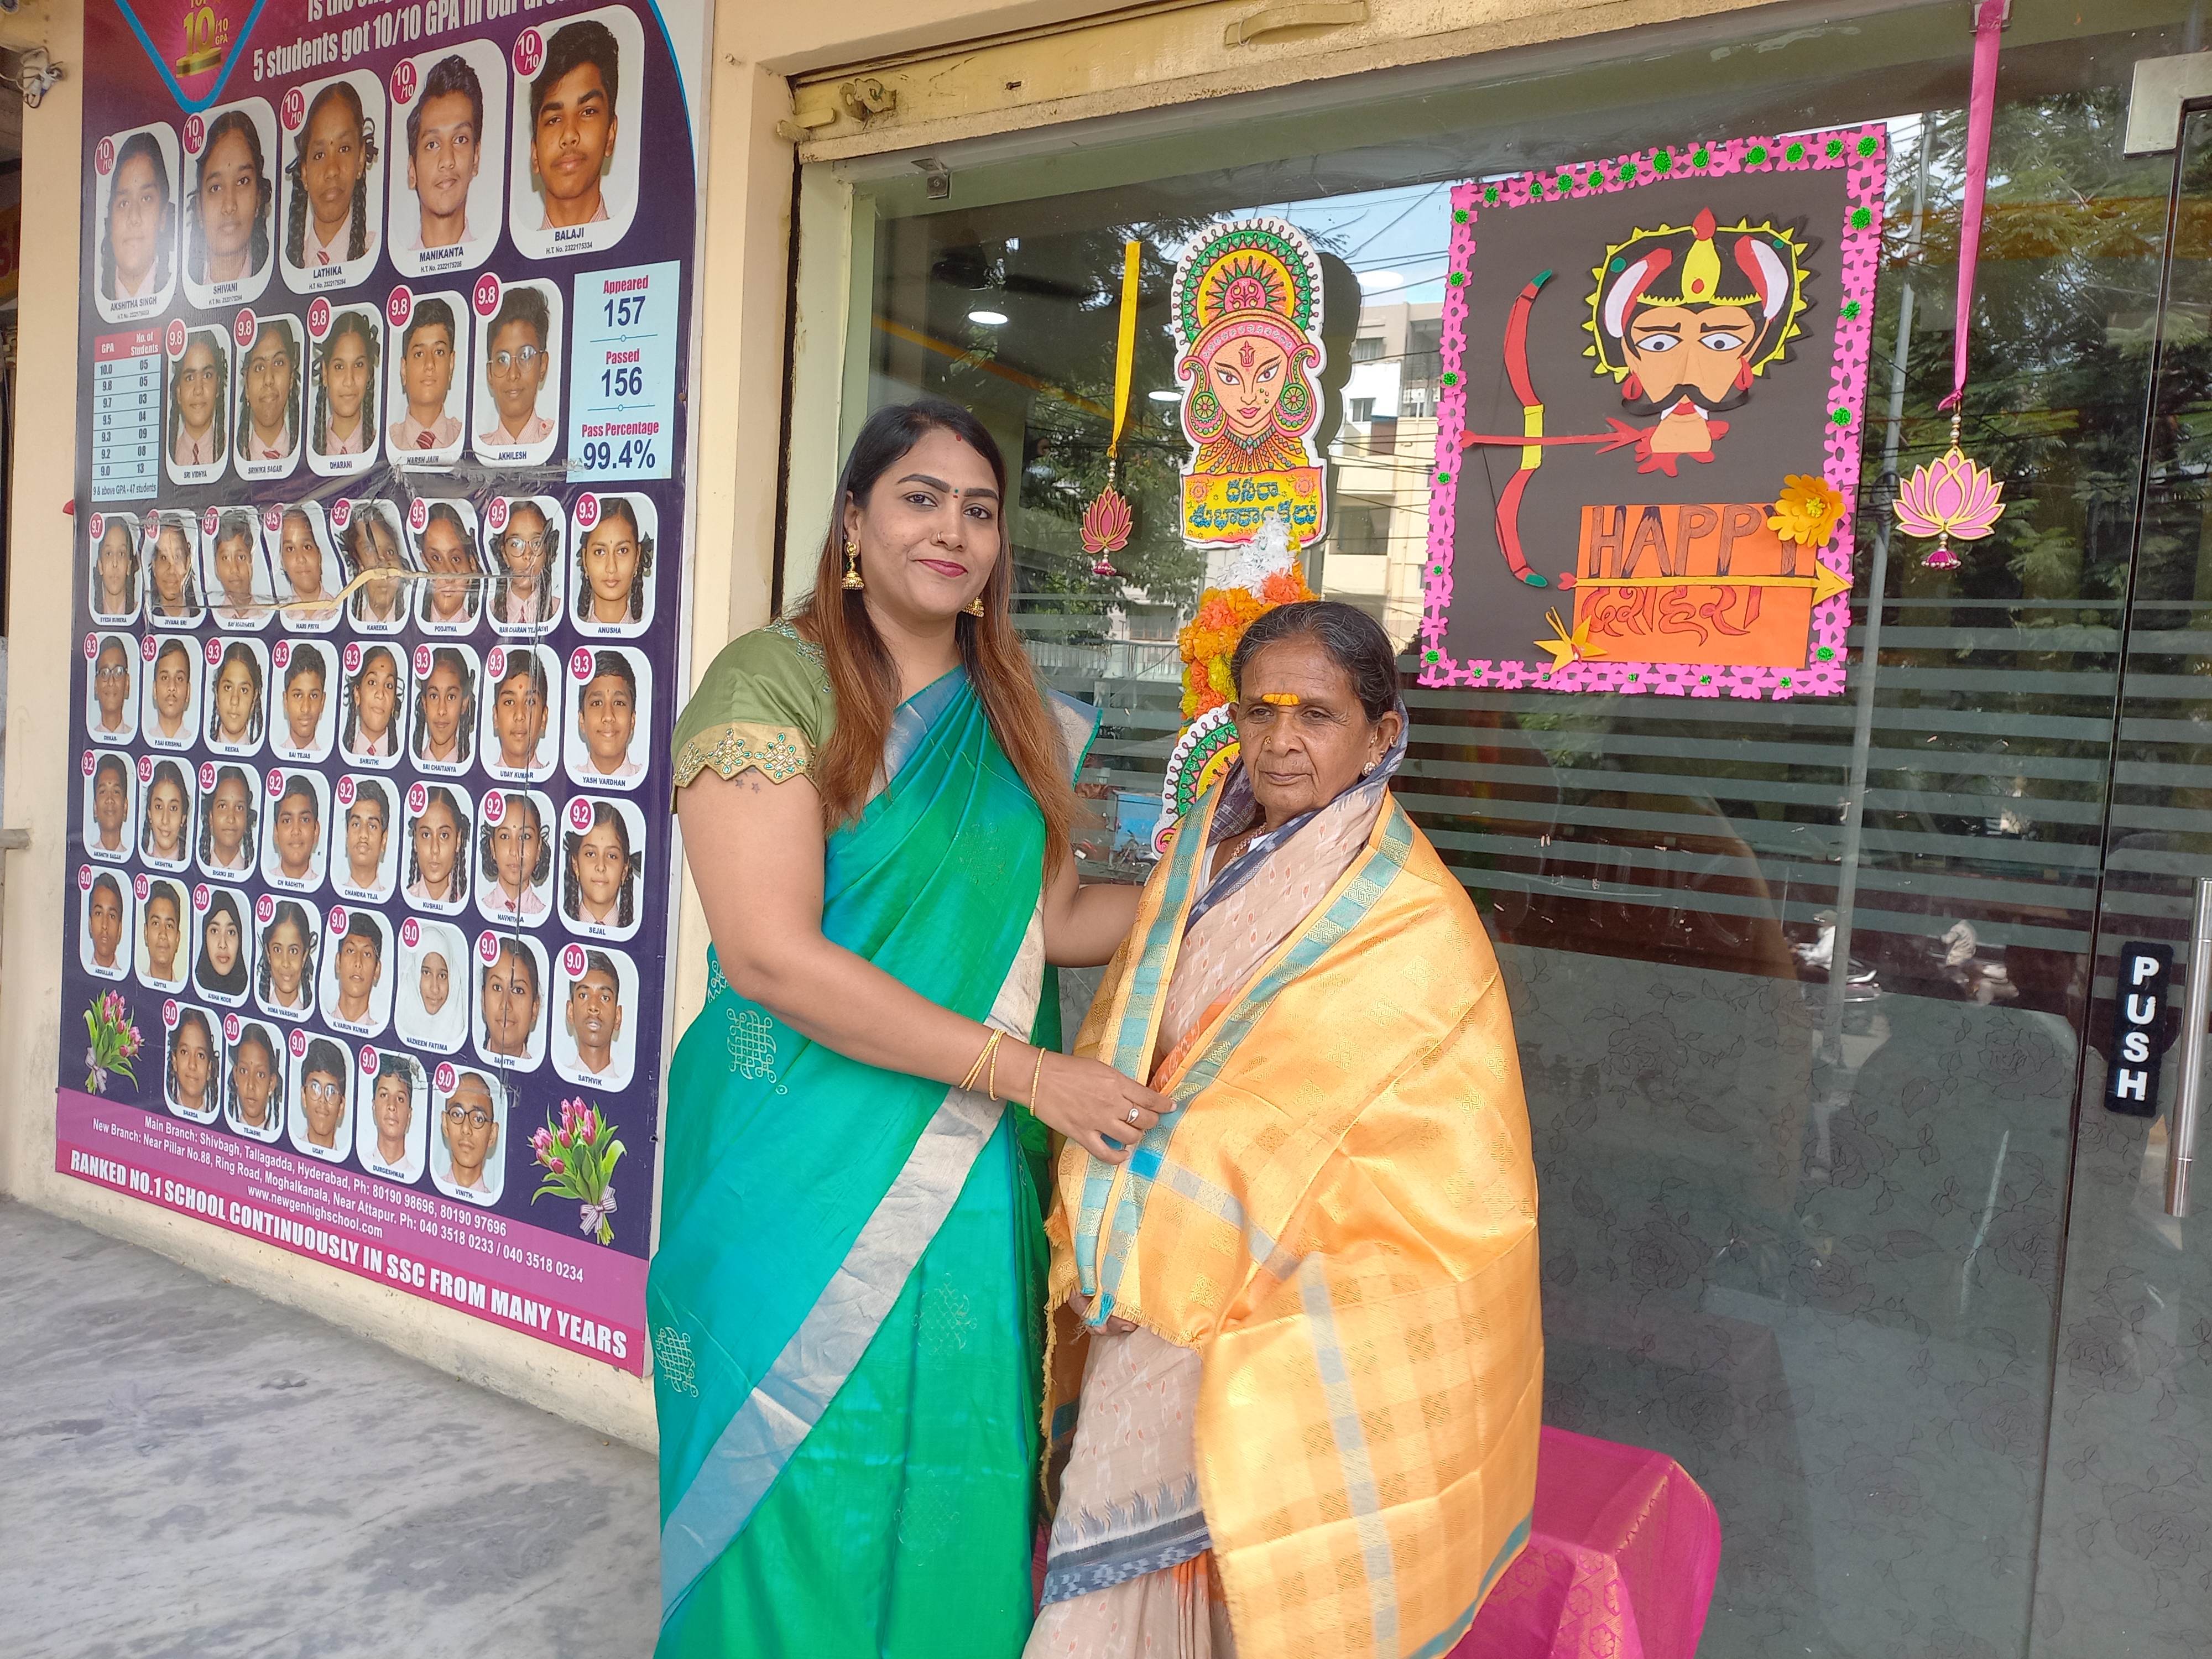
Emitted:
pixel 989 319
pixel 1165 397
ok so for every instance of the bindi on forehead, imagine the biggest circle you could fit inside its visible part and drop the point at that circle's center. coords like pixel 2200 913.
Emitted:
pixel 1299 669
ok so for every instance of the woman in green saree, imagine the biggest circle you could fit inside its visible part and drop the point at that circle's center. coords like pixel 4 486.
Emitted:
pixel 847 1303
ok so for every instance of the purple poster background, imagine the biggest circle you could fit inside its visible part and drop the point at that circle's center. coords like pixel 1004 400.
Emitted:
pixel 361 1027
pixel 553 1286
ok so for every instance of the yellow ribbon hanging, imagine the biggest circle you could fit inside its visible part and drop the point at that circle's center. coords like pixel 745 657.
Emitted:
pixel 1125 351
pixel 1107 522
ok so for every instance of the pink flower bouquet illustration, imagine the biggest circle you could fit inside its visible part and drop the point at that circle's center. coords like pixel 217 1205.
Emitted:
pixel 115 1042
pixel 579 1159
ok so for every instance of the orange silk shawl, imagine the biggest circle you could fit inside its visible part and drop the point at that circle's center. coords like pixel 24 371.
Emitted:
pixel 1341 1220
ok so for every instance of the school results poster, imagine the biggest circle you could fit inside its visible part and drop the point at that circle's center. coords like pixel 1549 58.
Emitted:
pixel 380 530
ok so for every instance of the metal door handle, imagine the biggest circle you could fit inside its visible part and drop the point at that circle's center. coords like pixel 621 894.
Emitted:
pixel 2188 1094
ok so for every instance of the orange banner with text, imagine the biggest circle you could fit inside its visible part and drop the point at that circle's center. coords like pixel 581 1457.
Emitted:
pixel 1695 583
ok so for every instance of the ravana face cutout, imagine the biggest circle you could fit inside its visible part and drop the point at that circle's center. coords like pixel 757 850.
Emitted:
pixel 1696 312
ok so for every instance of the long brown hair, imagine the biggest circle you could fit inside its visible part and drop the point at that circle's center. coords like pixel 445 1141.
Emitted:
pixel 866 679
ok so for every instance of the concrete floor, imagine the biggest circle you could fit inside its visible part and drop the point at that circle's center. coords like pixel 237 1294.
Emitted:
pixel 189 1472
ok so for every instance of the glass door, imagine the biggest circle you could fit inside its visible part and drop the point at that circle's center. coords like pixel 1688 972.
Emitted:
pixel 1812 997
pixel 2125 1561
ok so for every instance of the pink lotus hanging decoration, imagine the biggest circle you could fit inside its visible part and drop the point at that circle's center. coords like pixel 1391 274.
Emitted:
pixel 1956 496
pixel 1107 523
pixel 1950 496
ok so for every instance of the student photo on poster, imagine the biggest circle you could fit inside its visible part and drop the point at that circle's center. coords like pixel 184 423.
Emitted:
pixel 446 546
pixel 364 862
pixel 439 827
pixel 171 717
pixel 293 850
pixel 465 1153
pixel 510 1002
pixel 344 368
pixel 285 957
pixel 357 968
pixel 134 208
pixel 445 198
pixel 220 970
pixel 165 823
pixel 602 867
pixel 237 699
pixel 195 428
pixel 105 927
pixel 111 807
pixel 237 582
pixel 333 186
pixel 428 397
pixel 192 1076
pixel 370 540
pixel 306 713
pixel 514 857
pixel 442 726
pixel 230 211
pixel 524 534
pixel 518 402
pixel 172 542
pixel 614 538
pixel 608 745
pixel 432 1003
pixel 115 568
pixel 254 1103
pixel 306 570
pixel 371 724
pixel 393 1139
pixel 271 377
pixel 594 1037
pixel 519 744
pixel 160 933
pixel 111 710
pixel 230 820
pixel 322 1079
pixel 575 160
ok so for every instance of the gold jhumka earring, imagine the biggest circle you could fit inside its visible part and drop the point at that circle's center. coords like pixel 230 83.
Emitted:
pixel 853 583
pixel 975 607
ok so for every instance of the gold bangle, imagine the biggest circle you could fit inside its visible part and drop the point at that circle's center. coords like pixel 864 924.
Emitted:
pixel 990 1045
pixel 991 1087
pixel 1034 1075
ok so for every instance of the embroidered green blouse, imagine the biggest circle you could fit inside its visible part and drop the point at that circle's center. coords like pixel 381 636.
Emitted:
pixel 764 702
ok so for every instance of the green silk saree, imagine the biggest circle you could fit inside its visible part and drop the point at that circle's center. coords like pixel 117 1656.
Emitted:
pixel 847 1303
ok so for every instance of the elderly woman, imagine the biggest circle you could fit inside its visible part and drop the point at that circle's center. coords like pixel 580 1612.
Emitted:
pixel 1296 1370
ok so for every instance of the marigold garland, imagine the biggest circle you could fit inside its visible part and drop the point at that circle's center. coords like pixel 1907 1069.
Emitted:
pixel 1209 639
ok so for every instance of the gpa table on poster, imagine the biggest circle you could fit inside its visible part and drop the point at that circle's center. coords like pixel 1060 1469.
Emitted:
pixel 621 381
pixel 126 415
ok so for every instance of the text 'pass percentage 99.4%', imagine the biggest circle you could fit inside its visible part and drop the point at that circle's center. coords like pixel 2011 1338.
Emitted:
pixel 633 457
pixel 623 382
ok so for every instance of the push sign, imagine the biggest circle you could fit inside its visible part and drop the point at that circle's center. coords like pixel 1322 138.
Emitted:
pixel 2138 1010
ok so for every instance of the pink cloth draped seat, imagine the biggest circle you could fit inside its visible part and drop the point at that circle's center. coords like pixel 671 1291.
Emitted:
pixel 1622 1554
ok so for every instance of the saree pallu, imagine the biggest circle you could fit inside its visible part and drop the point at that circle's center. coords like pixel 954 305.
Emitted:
pixel 846 1303
pixel 1341 1222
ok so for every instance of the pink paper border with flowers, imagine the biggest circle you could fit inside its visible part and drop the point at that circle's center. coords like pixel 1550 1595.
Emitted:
pixel 1862 152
